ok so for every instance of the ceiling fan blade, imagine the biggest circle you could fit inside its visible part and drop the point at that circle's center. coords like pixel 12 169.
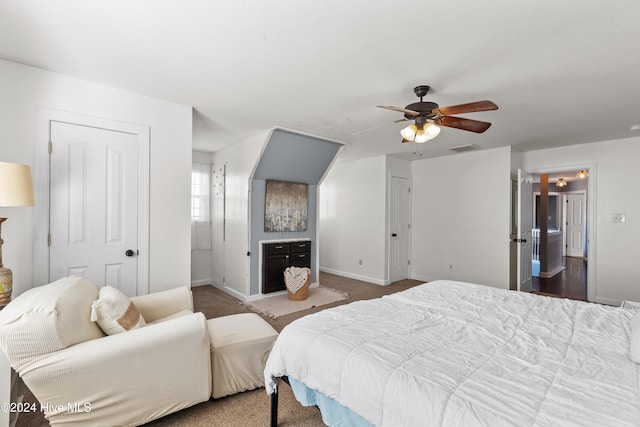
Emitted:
pixel 402 110
pixel 476 126
pixel 471 107
pixel 401 120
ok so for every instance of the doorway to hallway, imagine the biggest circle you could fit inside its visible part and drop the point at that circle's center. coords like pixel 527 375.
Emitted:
pixel 567 249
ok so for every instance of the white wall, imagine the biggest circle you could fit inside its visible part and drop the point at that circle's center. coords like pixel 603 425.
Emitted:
pixel 615 246
pixel 24 89
pixel 352 220
pixel 461 217
pixel 230 263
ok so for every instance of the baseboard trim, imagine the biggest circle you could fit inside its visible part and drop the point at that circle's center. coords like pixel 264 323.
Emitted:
pixel 607 301
pixel 549 274
pixel 425 278
pixel 201 282
pixel 230 291
pixel 355 276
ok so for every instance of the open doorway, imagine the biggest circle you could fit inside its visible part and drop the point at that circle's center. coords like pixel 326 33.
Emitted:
pixel 560 240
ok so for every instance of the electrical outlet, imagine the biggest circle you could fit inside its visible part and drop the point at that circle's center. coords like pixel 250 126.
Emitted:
pixel 450 267
pixel 618 218
pixel 359 262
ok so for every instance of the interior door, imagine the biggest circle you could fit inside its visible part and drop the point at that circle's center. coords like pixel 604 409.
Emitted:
pixel 399 218
pixel 524 226
pixel 576 224
pixel 93 205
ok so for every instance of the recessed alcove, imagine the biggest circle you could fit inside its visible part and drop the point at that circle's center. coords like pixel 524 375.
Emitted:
pixel 282 155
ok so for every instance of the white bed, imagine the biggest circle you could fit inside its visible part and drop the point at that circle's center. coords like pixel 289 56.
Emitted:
pixel 457 354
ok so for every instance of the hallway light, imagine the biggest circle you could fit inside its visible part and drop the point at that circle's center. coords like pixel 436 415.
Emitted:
pixel 561 182
pixel 583 174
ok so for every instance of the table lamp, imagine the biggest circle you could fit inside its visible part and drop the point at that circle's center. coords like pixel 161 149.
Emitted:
pixel 16 189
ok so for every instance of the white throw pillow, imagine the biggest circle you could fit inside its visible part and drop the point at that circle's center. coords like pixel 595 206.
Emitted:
pixel 114 312
pixel 635 338
pixel 48 318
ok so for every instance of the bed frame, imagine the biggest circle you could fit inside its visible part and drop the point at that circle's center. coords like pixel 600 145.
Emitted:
pixel 274 403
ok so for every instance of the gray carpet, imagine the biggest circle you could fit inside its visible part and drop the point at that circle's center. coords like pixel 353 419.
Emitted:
pixel 251 408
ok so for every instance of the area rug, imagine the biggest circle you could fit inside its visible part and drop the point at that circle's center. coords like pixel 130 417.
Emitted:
pixel 281 305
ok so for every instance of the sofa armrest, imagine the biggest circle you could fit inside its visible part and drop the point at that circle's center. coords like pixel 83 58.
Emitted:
pixel 125 379
pixel 165 303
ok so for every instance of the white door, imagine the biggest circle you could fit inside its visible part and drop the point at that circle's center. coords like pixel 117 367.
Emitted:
pixel 399 218
pixel 576 224
pixel 93 205
pixel 525 224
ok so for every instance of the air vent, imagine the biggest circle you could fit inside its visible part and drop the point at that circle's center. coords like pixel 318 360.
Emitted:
pixel 463 148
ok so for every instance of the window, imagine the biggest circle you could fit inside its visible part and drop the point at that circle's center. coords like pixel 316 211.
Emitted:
pixel 200 192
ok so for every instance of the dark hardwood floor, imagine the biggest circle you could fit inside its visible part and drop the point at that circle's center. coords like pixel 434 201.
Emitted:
pixel 569 283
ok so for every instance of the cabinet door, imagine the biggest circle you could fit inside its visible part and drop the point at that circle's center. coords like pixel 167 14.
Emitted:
pixel 273 273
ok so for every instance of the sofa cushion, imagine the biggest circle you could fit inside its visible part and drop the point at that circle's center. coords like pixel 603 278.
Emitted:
pixel 634 349
pixel 114 312
pixel 180 313
pixel 48 318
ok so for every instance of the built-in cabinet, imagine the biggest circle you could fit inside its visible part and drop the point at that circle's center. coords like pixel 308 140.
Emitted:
pixel 277 256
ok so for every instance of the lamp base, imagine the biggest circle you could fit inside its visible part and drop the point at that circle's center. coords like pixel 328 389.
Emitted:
pixel 6 286
pixel 6 277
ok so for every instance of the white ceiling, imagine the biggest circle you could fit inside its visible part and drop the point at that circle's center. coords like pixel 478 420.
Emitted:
pixel 561 72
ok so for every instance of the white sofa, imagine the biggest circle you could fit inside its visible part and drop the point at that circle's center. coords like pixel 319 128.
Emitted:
pixel 82 377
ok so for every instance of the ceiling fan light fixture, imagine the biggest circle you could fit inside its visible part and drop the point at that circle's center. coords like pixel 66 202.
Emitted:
pixel 409 133
pixel 425 113
pixel 422 136
pixel 432 130
pixel 419 133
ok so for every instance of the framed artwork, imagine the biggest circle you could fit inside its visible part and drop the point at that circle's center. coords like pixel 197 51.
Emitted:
pixel 285 206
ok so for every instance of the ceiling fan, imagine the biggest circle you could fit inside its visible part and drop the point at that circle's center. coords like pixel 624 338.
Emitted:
pixel 428 116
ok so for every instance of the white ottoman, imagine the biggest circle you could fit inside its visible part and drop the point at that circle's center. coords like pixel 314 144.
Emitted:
pixel 240 345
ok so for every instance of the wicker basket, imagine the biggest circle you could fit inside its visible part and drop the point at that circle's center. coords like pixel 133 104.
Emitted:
pixel 302 292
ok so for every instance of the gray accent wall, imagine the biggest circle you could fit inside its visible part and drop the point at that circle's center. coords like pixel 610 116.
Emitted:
pixel 294 157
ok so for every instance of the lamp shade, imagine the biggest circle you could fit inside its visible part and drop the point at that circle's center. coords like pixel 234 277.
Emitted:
pixel 16 186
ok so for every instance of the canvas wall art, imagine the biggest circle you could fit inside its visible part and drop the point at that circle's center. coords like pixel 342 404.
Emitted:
pixel 285 206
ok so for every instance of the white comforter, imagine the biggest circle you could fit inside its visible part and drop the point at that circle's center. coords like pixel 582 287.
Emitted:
pixel 457 354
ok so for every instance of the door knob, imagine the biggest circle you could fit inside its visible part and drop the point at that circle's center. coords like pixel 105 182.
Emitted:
pixel 129 252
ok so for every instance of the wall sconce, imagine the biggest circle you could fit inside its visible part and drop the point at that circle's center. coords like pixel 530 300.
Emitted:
pixel 16 189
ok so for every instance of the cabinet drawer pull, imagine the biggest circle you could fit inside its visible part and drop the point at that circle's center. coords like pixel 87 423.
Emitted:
pixel 302 256
pixel 278 247
pixel 304 245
